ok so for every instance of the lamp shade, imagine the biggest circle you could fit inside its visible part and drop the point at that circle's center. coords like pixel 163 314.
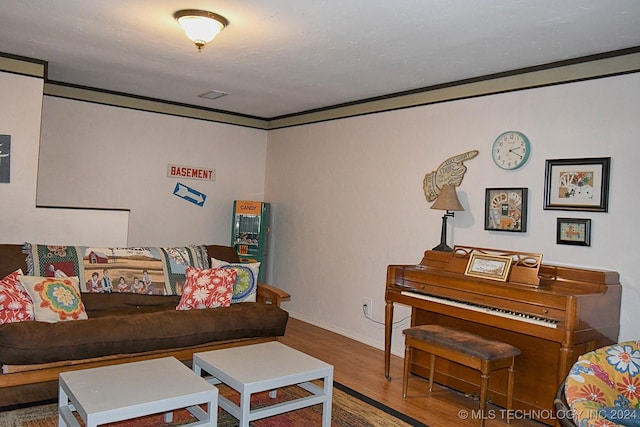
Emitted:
pixel 200 26
pixel 447 200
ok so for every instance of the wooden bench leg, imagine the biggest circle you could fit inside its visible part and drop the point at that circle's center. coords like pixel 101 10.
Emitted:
pixel 510 384
pixel 408 354
pixel 407 363
pixel 484 386
pixel 432 371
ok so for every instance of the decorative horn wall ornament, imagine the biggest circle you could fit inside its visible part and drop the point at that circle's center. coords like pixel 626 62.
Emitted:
pixel 450 172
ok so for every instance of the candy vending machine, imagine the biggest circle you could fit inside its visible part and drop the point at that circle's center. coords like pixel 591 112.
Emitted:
pixel 250 232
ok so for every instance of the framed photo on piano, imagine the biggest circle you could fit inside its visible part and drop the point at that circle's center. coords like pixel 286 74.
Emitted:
pixel 494 267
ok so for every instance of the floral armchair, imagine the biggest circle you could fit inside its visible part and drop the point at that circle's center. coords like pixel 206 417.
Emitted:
pixel 603 387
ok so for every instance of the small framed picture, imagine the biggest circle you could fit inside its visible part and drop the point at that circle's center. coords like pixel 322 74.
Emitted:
pixel 577 184
pixel 574 231
pixel 494 267
pixel 505 209
pixel 5 159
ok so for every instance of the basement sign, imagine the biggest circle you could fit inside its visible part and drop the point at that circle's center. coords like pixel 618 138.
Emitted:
pixel 191 172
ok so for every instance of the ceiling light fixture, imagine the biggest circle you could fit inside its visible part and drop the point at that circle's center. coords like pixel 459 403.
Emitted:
pixel 200 26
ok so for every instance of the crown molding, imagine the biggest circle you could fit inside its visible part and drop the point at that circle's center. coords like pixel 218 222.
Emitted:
pixel 24 66
pixel 80 93
pixel 579 69
pixel 587 68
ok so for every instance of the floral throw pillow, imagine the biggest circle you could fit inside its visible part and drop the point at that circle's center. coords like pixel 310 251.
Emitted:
pixel 246 285
pixel 603 386
pixel 15 303
pixel 208 288
pixel 55 299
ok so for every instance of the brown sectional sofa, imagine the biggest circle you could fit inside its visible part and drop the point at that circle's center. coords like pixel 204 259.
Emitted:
pixel 123 328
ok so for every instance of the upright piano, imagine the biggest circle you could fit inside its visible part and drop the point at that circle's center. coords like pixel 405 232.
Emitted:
pixel 552 313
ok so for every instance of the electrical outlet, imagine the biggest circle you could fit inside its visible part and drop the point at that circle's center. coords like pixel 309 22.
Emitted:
pixel 366 307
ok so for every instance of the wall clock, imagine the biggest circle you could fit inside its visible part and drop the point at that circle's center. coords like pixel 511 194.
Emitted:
pixel 511 150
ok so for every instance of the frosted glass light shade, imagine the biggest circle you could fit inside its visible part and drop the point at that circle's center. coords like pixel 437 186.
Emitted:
pixel 200 26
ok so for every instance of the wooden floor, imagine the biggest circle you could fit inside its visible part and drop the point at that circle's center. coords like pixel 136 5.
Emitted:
pixel 361 368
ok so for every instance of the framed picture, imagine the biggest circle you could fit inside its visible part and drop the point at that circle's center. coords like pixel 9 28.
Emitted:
pixel 505 209
pixel 494 267
pixel 577 184
pixel 574 231
pixel 5 159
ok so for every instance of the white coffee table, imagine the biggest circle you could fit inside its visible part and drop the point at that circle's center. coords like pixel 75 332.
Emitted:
pixel 266 367
pixel 130 390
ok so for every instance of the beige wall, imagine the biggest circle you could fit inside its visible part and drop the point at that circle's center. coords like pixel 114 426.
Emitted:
pixel 346 194
pixel 348 197
pixel 20 220
pixel 100 156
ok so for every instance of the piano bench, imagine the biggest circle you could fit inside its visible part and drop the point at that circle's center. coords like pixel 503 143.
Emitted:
pixel 476 352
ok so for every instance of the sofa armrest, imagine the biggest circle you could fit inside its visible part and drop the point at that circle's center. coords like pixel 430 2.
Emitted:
pixel 268 294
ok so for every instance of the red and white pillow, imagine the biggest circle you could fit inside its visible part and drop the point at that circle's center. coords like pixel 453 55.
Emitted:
pixel 208 288
pixel 15 303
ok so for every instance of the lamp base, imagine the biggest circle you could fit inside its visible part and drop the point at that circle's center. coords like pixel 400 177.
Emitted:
pixel 442 248
pixel 443 234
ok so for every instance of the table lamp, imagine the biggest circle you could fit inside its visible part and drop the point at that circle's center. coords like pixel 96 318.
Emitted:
pixel 446 201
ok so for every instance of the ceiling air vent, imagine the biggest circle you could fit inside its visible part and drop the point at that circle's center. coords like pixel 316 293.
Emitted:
pixel 214 94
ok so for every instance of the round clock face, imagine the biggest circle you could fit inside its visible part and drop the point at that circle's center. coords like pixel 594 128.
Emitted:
pixel 511 150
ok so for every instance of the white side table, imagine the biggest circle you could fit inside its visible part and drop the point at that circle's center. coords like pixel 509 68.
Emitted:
pixel 130 390
pixel 266 367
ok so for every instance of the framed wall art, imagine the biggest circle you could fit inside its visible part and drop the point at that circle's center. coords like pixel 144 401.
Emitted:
pixel 505 209
pixel 574 231
pixel 5 158
pixel 577 184
pixel 494 267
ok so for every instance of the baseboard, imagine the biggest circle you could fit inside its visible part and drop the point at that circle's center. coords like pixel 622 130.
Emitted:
pixel 397 351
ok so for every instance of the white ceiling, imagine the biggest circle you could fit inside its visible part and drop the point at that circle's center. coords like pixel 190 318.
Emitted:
pixel 279 57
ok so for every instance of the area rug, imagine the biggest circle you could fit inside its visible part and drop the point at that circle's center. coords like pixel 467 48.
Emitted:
pixel 349 409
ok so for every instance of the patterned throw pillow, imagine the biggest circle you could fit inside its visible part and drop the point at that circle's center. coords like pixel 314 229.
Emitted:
pixel 55 299
pixel 605 383
pixel 206 288
pixel 15 303
pixel 246 285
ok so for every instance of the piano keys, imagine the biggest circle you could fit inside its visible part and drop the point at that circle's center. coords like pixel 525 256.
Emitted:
pixel 552 313
pixel 507 314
